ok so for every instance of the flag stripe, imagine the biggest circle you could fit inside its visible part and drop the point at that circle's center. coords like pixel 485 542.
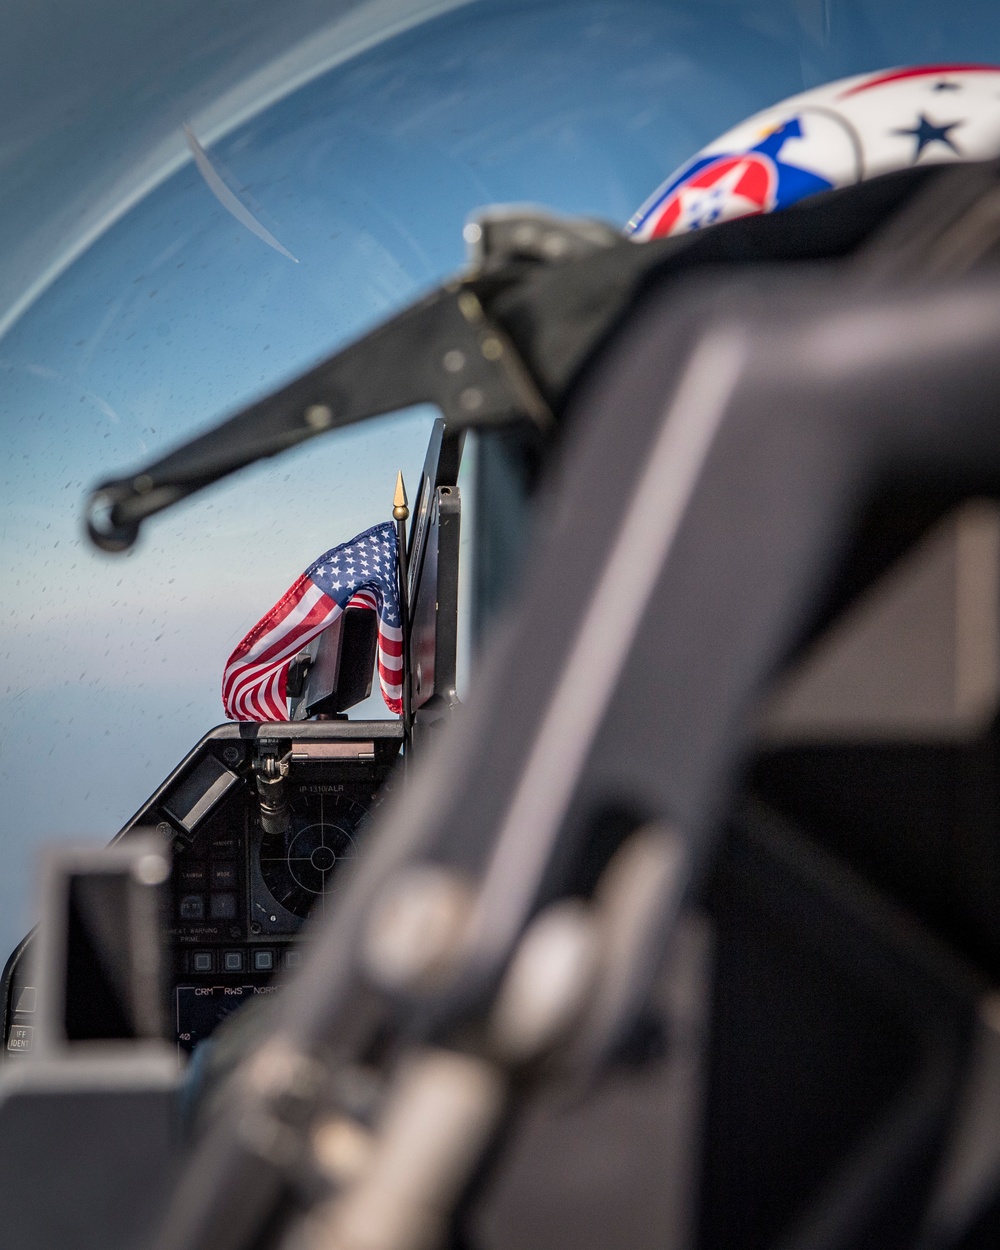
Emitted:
pixel 322 615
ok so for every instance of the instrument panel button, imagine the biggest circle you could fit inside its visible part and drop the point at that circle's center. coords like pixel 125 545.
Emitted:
pixel 263 961
pixel 21 1037
pixel 191 907
pixel 232 961
pixel 224 875
pixel 223 907
pixel 26 1000
pixel 201 961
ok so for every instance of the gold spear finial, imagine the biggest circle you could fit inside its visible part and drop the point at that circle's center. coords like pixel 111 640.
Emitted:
pixel 400 510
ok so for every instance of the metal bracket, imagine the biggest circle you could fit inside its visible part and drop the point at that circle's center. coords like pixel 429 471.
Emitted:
pixel 444 350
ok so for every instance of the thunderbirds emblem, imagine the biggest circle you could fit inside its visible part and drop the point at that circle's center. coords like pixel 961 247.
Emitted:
pixel 830 137
pixel 715 188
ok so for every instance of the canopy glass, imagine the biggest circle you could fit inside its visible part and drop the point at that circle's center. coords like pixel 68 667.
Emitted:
pixel 294 214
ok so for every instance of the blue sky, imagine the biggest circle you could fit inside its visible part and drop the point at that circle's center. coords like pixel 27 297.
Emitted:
pixel 111 666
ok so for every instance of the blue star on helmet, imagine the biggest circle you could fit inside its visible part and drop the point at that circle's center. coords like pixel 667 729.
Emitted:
pixel 925 132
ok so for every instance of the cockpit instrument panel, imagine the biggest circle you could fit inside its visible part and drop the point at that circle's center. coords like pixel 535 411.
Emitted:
pixel 260 819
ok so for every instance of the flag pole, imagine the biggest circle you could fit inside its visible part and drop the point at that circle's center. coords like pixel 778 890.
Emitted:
pixel 401 514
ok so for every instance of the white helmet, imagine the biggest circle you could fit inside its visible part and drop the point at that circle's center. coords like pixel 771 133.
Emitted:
pixel 832 136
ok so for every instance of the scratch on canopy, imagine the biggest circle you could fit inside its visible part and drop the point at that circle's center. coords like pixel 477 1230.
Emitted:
pixel 227 199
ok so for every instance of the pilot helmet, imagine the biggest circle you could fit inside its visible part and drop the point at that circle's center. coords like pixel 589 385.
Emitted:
pixel 832 136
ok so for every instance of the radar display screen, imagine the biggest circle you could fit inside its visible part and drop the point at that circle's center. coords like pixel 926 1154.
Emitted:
pixel 298 867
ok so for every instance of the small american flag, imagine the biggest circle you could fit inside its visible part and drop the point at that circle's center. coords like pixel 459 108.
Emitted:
pixel 358 574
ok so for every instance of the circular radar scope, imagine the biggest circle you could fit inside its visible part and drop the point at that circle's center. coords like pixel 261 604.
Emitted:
pixel 298 868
